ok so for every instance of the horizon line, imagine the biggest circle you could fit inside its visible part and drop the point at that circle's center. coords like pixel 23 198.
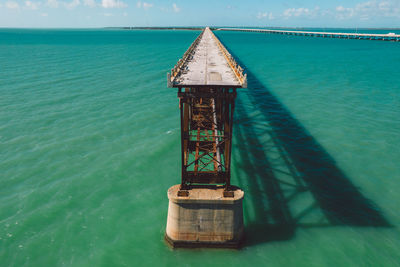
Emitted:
pixel 202 26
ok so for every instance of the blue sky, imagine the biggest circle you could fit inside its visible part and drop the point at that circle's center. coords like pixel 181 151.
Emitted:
pixel 102 13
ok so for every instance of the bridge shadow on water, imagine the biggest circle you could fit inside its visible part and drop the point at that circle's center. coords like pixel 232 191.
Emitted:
pixel 289 179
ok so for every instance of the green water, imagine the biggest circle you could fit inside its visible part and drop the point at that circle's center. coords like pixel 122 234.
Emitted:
pixel 90 143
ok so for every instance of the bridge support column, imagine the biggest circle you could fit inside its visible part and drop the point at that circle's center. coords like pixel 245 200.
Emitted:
pixel 205 210
pixel 205 218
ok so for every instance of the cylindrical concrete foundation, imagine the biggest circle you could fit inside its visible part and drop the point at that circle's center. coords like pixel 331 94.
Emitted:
pixel 205 218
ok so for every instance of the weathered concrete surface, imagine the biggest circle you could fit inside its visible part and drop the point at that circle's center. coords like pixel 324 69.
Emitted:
pixel 208 66
pixel 205 218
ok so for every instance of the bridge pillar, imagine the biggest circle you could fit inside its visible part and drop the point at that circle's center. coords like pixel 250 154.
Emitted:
pixel 205 218
pixel 205 209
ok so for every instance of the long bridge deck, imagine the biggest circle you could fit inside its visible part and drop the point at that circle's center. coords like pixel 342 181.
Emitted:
pixel 207 78
pixel 342 35
pixel 206 63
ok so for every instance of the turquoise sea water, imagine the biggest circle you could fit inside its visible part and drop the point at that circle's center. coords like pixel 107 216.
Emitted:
pixel 89 142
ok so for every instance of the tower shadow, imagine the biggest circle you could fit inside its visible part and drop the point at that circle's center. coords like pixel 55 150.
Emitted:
pixel 280 162
pixel 272 219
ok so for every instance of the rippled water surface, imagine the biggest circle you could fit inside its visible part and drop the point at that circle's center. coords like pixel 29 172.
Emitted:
pixel 89 142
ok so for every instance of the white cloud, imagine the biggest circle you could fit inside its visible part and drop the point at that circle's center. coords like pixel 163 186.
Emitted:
pixel 145 5
pixel 108 14
pixel 125 14
pixel 176 8
pixel 72 4
pixel 265 15
pixel 308 13
pixel 44 14
pixel 376 9
pixel 11 5
pixel 297 12
pixel 369 9
pixel 52 3
pixel 89 3
pixel 113 4
pixel 262 15
pixel 384 6
pixel 340 8
pixel 31 5
pixel 344 12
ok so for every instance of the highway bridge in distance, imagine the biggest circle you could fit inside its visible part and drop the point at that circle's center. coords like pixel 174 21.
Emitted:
pixel 342 35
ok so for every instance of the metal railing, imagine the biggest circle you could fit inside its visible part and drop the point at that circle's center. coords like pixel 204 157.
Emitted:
pixel 238 70
pixel 179 66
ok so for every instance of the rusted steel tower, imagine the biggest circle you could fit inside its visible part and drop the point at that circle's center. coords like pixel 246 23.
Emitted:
pixel 205 210
pixel 207 78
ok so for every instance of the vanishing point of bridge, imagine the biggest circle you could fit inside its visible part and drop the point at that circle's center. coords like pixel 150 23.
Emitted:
pixel 205 209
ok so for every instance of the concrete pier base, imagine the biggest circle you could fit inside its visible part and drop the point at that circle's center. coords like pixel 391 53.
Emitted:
pixel 205 218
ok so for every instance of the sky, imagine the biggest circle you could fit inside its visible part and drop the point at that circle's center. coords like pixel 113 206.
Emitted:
pixel 114 13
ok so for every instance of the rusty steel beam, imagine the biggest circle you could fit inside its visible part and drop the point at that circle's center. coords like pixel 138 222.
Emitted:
pixel 207 77
pixel 206 135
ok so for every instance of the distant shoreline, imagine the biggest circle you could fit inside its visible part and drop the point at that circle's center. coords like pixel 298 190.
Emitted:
pixel 199 28
pixel 156 28
pixel 213 28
